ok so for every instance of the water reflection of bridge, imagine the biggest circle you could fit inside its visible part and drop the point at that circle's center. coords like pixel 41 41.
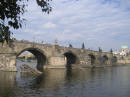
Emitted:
pixel 7 83
pixel 62 83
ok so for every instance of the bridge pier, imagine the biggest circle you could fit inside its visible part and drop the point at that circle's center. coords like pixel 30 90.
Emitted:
pixel 57 60
pixel 7 62
pixel 7 59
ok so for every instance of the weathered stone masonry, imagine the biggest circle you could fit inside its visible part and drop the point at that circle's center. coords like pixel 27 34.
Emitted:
pixel 54 56
pixel 7 59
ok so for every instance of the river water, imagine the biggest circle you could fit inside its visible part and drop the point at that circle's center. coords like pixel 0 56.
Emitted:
pixel 98 82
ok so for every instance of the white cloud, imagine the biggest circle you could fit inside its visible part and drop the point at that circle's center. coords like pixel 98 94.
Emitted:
pixel 95 22
pixel 32 31
pixel 49 25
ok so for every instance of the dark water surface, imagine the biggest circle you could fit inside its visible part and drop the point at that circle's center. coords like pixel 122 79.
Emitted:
pixel 99 82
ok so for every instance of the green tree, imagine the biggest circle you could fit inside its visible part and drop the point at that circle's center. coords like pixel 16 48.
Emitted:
pixel 11 12
pixel 3 35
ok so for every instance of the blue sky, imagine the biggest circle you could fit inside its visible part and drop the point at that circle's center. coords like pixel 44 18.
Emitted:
pixel 97 23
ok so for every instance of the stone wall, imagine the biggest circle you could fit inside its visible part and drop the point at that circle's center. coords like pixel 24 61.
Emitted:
pixel 7 59
pixel 8 62
pixel 84 59
pixel 123 60
pixel 57 62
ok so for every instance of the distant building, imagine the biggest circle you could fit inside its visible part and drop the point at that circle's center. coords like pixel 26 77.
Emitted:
pixel 26 55
pixel 116 52
pixel 124 51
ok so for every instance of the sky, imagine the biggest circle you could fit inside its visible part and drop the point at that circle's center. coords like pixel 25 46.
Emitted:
pixel 97 23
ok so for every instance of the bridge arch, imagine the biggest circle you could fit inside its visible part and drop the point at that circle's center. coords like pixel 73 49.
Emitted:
pixel 71 59
pixel 40 56
pixel 114 60
pixel 93 59
pixel 104 59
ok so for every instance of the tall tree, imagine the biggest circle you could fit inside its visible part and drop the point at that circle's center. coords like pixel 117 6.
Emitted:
pixel 11 12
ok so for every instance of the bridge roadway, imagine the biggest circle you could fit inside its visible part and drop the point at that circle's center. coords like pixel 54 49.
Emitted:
pixel 55 56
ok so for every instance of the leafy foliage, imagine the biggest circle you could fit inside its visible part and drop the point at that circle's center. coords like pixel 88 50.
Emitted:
pixel 10 14
pixel 3 35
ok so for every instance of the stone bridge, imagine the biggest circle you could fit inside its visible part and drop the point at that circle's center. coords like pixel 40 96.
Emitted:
pixel 55 56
